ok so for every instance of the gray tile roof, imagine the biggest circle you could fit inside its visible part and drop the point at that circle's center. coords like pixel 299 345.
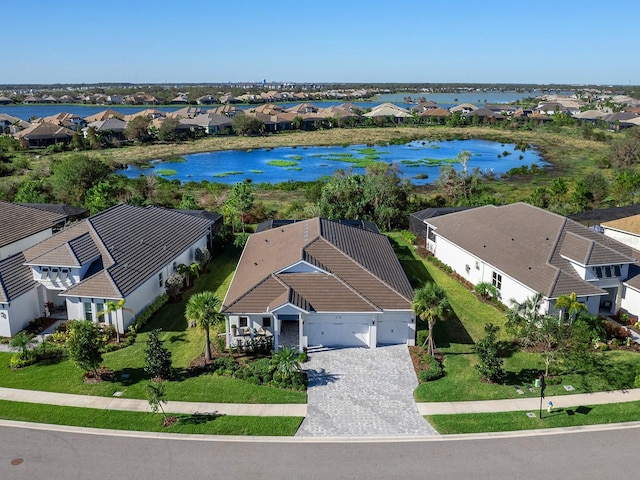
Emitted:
pixel 132 243
pixel 533 245
pixel 19 222
pixel 15 278
pixel 363 273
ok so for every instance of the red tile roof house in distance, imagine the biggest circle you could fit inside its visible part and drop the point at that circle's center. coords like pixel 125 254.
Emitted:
pixel 523 250
pixel 320 283
pixel 125 252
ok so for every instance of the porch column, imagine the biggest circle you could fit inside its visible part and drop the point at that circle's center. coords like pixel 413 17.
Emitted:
pixel 276 333
pixel 373 331
pixel 300 332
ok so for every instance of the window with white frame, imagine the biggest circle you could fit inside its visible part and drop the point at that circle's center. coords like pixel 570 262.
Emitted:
pixel 243 322
pixel 160 280
pixel 496 280
pixel 266 322
pixel 88 311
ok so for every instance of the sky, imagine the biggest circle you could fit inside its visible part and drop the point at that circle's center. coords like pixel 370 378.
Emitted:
pixel 352 41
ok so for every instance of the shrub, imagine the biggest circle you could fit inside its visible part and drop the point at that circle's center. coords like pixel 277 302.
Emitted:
pixel 18 361
pixel 433 370
pixel 408 236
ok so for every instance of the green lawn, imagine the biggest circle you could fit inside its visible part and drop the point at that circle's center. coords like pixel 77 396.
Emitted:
pixel 511 421
pixel 455 338
pixel 185 345
pixel 149 422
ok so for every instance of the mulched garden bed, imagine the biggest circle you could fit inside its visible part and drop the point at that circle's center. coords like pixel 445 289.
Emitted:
pixel 103 375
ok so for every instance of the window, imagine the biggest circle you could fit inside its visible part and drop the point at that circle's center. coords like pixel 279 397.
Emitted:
pixel 607 271
pixel 100 308
pixel 266 322
pixel 496 280
pixel 64 274
pixel 175 266
pixel 88 312
pixel 44 275
pixel 243 322
pixel 54 274
pixel 160 280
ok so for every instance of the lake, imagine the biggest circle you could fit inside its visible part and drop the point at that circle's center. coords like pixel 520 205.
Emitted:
pixel 445 100
pixel 415 159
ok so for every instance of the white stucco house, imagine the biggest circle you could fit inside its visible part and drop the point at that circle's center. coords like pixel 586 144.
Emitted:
pixel 523 250
pixel 320 283
pixel 627 231
pixel 125 252
pixel 23 227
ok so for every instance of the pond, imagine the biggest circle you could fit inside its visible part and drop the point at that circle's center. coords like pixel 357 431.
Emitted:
pixel 419 161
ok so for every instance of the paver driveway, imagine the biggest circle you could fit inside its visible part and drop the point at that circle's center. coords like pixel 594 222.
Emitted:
pixel 357 392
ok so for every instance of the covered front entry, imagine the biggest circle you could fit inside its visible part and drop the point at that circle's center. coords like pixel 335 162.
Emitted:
pixel 338 331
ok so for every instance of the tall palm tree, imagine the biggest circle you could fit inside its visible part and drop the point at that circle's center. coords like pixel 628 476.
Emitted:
pixel 430 304
pixel 569 305
pixel 203 312
pixel 110 307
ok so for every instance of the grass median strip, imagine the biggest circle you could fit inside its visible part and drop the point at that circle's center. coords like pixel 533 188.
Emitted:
pixel 149 422
pixel 515 421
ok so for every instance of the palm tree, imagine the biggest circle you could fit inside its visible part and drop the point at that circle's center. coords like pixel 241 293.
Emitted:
pixel 189 271
pixel 23 341
pixel 203 311
pixel 110 307
pixel 569 305
pixel 286 362
pixel 522 316
pixel 430 304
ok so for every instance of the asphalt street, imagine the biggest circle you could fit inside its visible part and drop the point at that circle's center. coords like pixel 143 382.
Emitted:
pixel 52 455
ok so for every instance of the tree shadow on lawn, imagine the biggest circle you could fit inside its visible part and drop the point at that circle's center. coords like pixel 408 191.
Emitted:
pixel 198 418
pixel 129 376
pixel 526 376
pixel 451 331
pixel 416 272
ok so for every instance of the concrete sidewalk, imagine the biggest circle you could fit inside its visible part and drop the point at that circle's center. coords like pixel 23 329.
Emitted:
pixel 524 404
pixel 129 404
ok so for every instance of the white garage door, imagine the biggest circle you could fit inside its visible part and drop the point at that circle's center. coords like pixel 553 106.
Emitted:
pixel 392 332
pixel 337 331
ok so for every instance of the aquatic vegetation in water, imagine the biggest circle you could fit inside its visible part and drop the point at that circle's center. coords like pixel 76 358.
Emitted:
pixel 282 163
pixel 226 174
pixel 295 157
pixel 257 172
pixel 166 172
pixel 294 168
pixel 421 176
pixel 174 159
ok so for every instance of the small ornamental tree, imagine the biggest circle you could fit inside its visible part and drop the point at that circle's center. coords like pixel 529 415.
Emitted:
pixel 158 357
pixel 84 346
pixel 156 396
pixel 489 363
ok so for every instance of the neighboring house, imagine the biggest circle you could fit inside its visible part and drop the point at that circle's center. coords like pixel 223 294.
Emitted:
pixel 104 115
pixel 123 253
pixel 597 217
pixel 71 213
pixel 24 226
pixel 625 230
pixel 111 128
pixel 44 134
pixel 463 108
pixel 418 220
pixel 10 124
pixel 523 250
pixel 389 110
pixel 319 282
pixel 210 123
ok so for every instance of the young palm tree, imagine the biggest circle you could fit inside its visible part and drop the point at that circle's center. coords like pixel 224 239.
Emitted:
pixel 286 362
pixel 110 307
pixel 203 311
pixel 569 305
pixel 190 272
pixel 430 304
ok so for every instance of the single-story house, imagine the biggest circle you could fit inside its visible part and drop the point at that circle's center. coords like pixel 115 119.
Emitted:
pixel 44 134
pixel 388 110
pixel 522 250
pixel 625 230
pixel 320 282
pixel 418 220
pixel 123 253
